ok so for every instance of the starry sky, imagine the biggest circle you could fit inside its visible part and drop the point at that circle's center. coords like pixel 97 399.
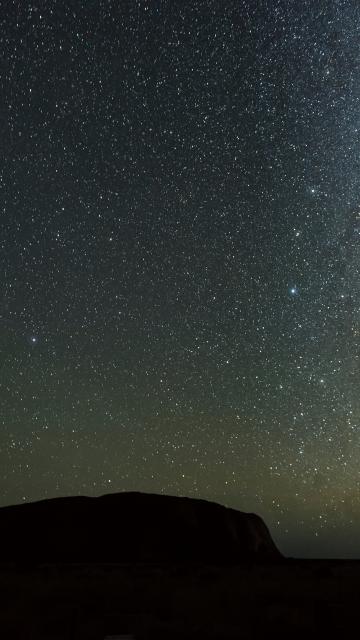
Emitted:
pixel 180 257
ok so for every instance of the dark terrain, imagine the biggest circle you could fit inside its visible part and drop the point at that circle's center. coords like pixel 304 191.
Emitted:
pixel 163 593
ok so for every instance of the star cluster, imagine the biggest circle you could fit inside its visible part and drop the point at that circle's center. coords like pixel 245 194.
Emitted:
pixel 180 256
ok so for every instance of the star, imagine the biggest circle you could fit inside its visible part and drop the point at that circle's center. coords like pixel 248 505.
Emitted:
pixel 294 291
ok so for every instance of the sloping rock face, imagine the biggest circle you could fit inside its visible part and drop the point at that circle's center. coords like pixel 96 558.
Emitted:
pixel 132 527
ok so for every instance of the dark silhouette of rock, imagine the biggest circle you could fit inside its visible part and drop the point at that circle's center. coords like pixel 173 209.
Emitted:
pixel 132 527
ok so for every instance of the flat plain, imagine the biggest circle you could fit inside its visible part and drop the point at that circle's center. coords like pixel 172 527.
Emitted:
pixel 292 599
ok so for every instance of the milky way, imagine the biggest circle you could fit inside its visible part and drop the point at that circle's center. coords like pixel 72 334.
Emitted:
pixel 179 257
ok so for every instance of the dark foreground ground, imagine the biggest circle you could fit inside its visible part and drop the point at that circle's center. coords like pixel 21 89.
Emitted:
pixel 298 599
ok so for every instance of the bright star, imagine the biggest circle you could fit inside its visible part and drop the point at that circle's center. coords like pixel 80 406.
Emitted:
pixel 294 290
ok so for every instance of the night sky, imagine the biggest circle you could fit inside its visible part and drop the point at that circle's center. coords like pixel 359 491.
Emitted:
pixel 180 256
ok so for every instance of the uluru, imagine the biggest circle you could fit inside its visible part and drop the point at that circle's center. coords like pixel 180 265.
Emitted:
pixel 132 527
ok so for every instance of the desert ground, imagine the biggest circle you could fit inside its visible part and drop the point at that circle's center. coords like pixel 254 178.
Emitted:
pixel 293 599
